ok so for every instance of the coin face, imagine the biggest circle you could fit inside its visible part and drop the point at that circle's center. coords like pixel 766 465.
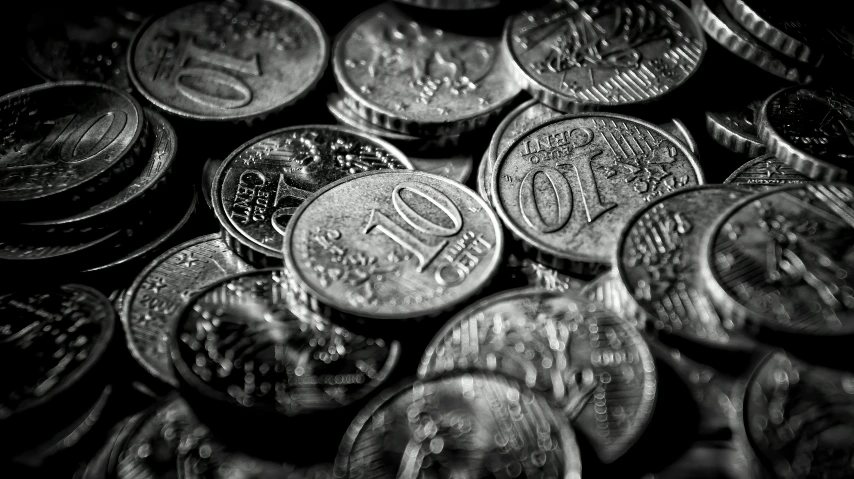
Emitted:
pixel 299 364
pixel 658 258
pixel 785 259
pixel 524 117
pixel 810 130
pixel 593 366
pixel 64 136
pixel 457 168
pixel 410 77
pixel 800 418
pixel 463 425
pixel 393 245
pixel 231 61
pixel 568 186
pixel 765 172
pixel 54 337
pixel 736 129
pixel 154 299
pixel 261 184
pixel 536 275
pixel 604 53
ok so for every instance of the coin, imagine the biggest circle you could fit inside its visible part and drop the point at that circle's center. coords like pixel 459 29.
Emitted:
pixel 784 258
pixel 810 130
pixel 159 291
pixel 765 172
pixel 208 175
pixel 472 425
pixel 799 418
pixel 567 187
pixel 452 4
pixel 69 251
pixel 228 61
pixel 593 366
pixel 391 245
pixel 484 173
pixel 678 129
pixel 606 290
pixel 64 140
pixel 722 27
pixel 536 275
pixel 260 185
pixel 611 53
pixel 736 130
pixel 406 76
pixel 457 168
pixel 657 260
pixel 779 32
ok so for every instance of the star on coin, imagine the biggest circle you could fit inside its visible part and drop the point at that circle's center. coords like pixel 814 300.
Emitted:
pixel 156 285
pixel 188 260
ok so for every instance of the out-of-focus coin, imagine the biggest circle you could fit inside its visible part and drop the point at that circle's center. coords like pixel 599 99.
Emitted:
pixel 261 184
pixel 781 34
pixel 208 175
pixel 62 141
pixel 452 4
pixel 29 254
pixel 722 27
pixel 657 259
pixel 457 168
pixel 161 289
pixel 606 290
pixel 611 53
pixel 536 275
pixel 736 130
pixel 765 172
pixel 810 130
pixel 593 366
pixel 406 76
pixel 784 259
pixel 133 197
pixel 228 61
pixel 392 245
pixel 567 187
pixel 473 425
pixel 52 341
pixel 800 418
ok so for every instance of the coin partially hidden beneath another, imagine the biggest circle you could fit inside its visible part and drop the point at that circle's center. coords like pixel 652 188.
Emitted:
pixel 736 130
pixel 765 172
pixel 457 168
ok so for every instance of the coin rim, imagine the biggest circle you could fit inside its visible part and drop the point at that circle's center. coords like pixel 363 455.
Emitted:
pixel 741 169
pixel 731 139
pixel 771 35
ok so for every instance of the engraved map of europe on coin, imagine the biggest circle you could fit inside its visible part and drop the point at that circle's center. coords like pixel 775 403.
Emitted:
pixel 226 60
pixel 591 364
pixel 604 52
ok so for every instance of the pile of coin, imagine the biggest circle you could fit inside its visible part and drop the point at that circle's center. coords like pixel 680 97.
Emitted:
pixel 482 243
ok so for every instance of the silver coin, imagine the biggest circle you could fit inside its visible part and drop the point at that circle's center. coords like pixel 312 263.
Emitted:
pixel 457 168
pixel 765 172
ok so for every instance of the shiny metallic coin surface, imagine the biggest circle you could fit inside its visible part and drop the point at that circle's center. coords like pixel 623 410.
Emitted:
pixel 539 276
pixel 657 260
pixel 484 174
pixel 65 139
pixel 473 425
pixel 784 259
pixel 457 168
pixel 765 172
pixel 410 77
pixel 392 245
pixel 261 184
pixel 800 418
pixel 67 249
pixel 524 117
pixel 159 292
pixel 298 362
pixel 736 130
pixel 608 53
pixel 593 366
pixel 208 175
pixel 781 32
pixel 810 130
pixel 228 61
pixel 567 187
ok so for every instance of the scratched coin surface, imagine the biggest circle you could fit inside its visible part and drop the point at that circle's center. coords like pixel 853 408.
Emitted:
pixel 49 339
pixel 736 129
pixel 65 136
pixel 785 259
pixel 765 172
pixel 593 366
pixel 811 130
pixel 658 259
pixel 238 342
pixel 461 425
pixel 604 53
pixel 159 292
pixel 800 418
pixel 568 186
pixel 393 245
pixel 170 443
pixel 261 184
pixel 226 60
pixel 411 77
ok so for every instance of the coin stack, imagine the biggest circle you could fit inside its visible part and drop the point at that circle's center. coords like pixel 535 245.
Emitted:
pixel 457 251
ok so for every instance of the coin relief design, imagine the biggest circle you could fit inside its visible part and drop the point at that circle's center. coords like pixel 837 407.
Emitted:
pixel 568 186
pixel 240 343
pixel 736 129
pixel 540 276
pixel 263 182
pixel 408 245
pixel 224 60
pixel 593 366
pixel 785 258
pixel 604 52
pixel 765 172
